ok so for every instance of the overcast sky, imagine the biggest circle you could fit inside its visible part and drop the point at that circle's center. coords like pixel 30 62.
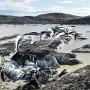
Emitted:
pixel 36 7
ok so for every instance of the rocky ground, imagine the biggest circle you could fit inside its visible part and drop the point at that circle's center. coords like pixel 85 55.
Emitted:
pixel 78 80
pixel 10 85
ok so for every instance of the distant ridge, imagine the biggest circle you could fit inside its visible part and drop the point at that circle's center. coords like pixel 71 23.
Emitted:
pixel 83 20
pixel 50 18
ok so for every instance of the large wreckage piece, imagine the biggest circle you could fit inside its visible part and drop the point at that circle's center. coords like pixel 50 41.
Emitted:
pixel 42 52
pixel 32 57
pixel 44 57
pixel 24 61
pixel 65 30
pixel 83 49
pixel 66 58
pixel 48 35
pixel 39 55
pixel 14 71
pixel 39 45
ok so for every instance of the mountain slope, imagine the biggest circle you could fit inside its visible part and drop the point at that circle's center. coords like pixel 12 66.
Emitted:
pixel 56 17
pixel 50 18
pixel 83 20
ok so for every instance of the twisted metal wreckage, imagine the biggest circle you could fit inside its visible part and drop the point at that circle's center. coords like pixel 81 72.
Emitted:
pixel 37 60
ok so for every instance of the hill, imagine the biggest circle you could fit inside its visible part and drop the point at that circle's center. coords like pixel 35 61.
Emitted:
pixel 78 80
pixel 55 18
pixel 50 18
pixel 83 20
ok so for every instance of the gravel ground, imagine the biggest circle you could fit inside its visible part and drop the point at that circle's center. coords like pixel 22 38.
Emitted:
pixel 78 80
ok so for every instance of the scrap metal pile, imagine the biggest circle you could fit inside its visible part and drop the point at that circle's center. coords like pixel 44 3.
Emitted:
pixel 38 59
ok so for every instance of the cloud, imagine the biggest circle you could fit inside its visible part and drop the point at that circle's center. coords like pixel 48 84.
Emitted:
pixel 78 11
pixel 83 0
pixel 21 1
pixel 22 8
pixel 73 11
pixel 20 5
pixel 61 9
pixel 36 11
pixel 65 1
pixel 53 8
